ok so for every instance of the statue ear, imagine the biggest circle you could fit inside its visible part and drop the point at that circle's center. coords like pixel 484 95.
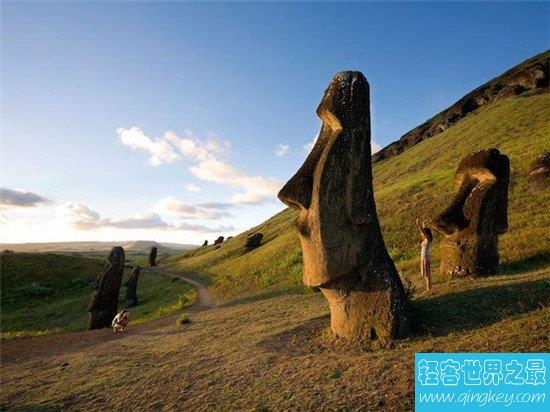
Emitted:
pixel 359 194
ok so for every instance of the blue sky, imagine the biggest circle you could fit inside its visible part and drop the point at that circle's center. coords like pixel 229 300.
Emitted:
pixel 231 81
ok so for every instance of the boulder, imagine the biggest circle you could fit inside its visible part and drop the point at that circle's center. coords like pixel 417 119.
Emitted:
pixel 343 249
pixel 476 215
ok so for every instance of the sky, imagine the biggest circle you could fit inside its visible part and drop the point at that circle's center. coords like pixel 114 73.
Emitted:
pixel 179 121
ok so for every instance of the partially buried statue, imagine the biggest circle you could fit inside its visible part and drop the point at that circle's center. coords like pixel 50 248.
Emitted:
pixel 131 288
pixel 477 215
pixel 153 256
pixel 104 306
pixel 343 249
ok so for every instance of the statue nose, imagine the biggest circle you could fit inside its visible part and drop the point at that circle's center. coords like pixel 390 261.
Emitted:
pixel 297 191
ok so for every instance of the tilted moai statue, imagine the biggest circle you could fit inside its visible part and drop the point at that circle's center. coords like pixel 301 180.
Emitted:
pixel 253 241
pixel 104 306
pixel 153 256
pixel 131 288
pixel 477 215
pixel 219 240
pixel 343 249
pixel 205 243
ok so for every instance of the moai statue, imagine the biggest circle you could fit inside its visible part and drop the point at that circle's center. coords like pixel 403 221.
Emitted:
pixel 343 249
pixel 104 306
pixel 253 241
pixel 153 256
pixel 205 243
pixel 131 288
pixel 539 172
pixel 478 213
pixel 218 240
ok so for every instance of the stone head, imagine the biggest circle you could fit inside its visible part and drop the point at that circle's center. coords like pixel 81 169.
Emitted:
pixel 480 205
pixel 332 190
pixel 116 256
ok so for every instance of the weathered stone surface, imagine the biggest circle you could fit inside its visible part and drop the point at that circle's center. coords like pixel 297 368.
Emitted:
pixel 205 243
pixel 104 306
pixel 477 214
pixel 343 249
pixel 253 241
pixel 539 172
pixel 218 240
pixel 153 256
pixel 131 287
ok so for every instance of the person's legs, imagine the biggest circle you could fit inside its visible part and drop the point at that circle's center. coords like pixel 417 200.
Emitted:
pixel 428 271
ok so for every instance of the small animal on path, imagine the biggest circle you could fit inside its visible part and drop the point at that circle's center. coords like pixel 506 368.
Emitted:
pixel 121 321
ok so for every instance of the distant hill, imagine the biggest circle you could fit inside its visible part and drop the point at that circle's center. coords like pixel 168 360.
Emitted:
pixel 129 246
pixel 417 183
pixel 531 75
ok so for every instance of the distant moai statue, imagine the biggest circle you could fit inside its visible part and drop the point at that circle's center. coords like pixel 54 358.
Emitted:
pixel 343 249
pixel 153 256
pixel 205 243
pixel 253 241
pixel 131 287
pixel 539 172
pixel 218 240
pixel 104 306
pixel 476 216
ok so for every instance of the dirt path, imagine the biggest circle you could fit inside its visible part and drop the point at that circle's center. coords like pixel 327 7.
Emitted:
pixel 206 300
pixel 55 344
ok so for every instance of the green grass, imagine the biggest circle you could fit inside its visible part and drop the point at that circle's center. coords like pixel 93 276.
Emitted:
pixel 44 293
pixel 417 183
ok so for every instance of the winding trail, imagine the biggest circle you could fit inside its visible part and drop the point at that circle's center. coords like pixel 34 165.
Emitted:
pixel 41 347
pixel 205 302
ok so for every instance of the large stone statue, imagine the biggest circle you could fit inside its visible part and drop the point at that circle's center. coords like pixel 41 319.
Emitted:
pixel 104 306
pixel 153 256
pixel 478 213
pixel 343 249
pixel 253 241
pixel 218 240
pixel 131 288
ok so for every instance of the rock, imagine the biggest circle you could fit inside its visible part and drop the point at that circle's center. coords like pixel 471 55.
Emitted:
pixel 253 241
pixel 104 305
pixel 131 288
pixel 153 256
pixel 539 172
pixel 218 240
pixel 477 214
pixel 205 243
pixel 343 249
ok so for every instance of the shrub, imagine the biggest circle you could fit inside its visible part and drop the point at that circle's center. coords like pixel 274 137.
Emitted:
pixel 183 319
pixel 34 290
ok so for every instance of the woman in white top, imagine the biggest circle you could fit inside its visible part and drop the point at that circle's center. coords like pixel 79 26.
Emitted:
pixel 427 238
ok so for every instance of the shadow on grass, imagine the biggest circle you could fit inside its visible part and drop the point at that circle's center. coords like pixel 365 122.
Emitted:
pixel 530 263
pixel 471 309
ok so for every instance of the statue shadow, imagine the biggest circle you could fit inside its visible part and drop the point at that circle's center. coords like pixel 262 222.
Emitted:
pixel 530 263
pixel 470 309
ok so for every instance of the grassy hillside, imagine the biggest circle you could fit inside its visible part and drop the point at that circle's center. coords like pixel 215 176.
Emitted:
pixel 417 183
pixel 45 293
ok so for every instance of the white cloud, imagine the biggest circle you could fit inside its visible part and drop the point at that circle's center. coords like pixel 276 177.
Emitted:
pixel 216 205
pixel 209 163
pixel 159 150
pixel 281 150
pixel 172 206
pixel 309 145
pixel 375 147
pixel 20 198
pixel 191 188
